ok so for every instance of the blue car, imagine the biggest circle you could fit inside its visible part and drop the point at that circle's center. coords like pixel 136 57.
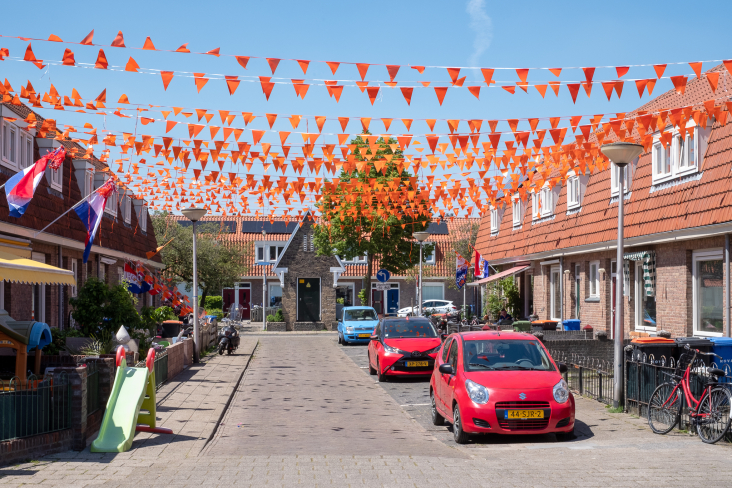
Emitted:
pixel 356 324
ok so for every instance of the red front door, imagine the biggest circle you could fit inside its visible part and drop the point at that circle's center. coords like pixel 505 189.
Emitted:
pixel 377 301
pixel 244 299
pixel 228 298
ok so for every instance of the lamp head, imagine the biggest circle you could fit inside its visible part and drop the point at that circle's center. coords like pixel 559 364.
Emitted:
pixel 194 214
pixel 621 153
pixel 264 233
pixel 421 236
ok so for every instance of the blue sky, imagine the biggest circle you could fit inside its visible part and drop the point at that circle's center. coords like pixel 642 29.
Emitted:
pixel 457 33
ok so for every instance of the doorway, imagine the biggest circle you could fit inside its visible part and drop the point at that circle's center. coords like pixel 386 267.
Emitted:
pixel 245 296
pixel 308 299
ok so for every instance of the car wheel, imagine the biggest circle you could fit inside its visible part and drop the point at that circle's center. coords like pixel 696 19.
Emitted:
pixel 565 436
pixel 437 419
pixel 372 371
pixel 340 341
pixel 461 437
pixel 382 377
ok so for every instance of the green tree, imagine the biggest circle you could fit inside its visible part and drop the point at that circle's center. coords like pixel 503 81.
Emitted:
pixel 463 243
pixel 220 261
pixel 99 308
pixel 378 217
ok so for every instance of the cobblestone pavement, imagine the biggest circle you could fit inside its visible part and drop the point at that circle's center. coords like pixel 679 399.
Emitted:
pixel 306 413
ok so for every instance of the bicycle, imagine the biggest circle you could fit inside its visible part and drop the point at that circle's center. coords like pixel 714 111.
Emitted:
pixel 710 414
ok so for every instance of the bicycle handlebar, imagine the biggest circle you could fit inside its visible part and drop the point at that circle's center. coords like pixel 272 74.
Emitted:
pixel 703 353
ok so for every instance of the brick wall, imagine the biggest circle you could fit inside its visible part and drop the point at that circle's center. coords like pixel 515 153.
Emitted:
pixel 180 356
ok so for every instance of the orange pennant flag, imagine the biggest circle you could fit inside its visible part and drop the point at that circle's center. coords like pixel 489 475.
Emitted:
pixel 713 79
pixel 589 73
pixel 407 94
pixel 679 84
pixel 373 92
pixel 87 41
pixel 242 60
pixel 697 68
pixel 344 122
pixel 232 82
pixel 304 63
pixel 556 71
pixel 659 68
pixel 273 62
pixel 29 56
pixel 387 124
pixel 119 41
pixel 183 49
pixel 554 85
pixel 362 70
pixel 271 119
pixel 475 90
pixel 393 70
pixel 509 89
pixel 365 121
pixel 522 73
pixel 169 125
pixel 148 46
pixel 200 80
pixel 101 61
pixel 267 85
pixel 68 59
pixel 132 65
pixel 622 70
pixel 487 75
pixel 214 52
pixel 641 86
pixel 123 99
pixel 319 121
pixel 541 89
pixel 440 91
pixel 295 121
pixel 166 76
pixel 333 66
pixel 573 90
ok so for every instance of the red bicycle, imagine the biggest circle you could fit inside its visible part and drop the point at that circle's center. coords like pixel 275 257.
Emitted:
pixel 710 414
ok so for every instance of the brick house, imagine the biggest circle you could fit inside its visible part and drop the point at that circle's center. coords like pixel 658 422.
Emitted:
pixel 289 250
pixel 561 244
pixel 125 233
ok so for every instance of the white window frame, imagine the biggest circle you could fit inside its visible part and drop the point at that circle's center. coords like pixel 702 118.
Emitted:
pixel 127 208
pixel 677 158
pixel 574 192
pixel 25 154
pixel 535 211
pixel 8 151
pixel 517 209
pixel 270 294
pixel 75 270
pixel 111 207
pixel 142 218
pixel 259 249
pixel 431 258
pixel 433 285
pixel 278 249
pixel 705 255
pixel 346 284
pixel 640 296
pixel 89 183
pixel 628 177
pixel 577 290
pixel 594 278
pixel 357 259
pixel 496 217
pixel 554 290
pixel 120 274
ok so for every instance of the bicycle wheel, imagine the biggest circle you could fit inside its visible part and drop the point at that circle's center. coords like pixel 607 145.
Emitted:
pixel 715 409
pixel 664 408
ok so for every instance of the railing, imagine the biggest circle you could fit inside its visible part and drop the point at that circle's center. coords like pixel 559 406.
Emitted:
pixel 160 367
pixel 256 313
pixel 558 335
pixel 34 407
pixel 590 377
pixel 92 388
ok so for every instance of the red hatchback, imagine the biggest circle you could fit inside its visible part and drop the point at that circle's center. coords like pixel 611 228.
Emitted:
pixel 501 383
pixel 403 346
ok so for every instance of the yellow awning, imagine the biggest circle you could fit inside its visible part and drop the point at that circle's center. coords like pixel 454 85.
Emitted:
pixel 22 270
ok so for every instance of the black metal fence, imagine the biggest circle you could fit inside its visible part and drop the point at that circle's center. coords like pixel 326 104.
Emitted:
pixel 34 407
pixel 92 388
pixel 160 367
pixel 590 377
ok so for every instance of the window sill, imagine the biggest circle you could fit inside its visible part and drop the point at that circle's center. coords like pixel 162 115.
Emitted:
pixel 592 300
pixel 614 199
pixel 8 164
pixel 669 183
pixel 644 328
pixel 698 333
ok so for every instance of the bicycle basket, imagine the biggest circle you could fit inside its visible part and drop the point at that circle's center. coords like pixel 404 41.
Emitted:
pixel 684 361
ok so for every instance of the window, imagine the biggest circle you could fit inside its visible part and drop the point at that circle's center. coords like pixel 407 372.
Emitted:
pixel 275 296
pixel 555 293
pixel 681 156
pixel 577 295
pixel 142 218
pixel 708 279
pixel 75 270
pixel 274 252
pixel 573 192
pixel 535 210
pixel 89 184
pixel 120 275
pixel 433 291
pixel 496 216
pixel 357 260
pixel 645 306
pixel 260 253
pixel 594 279
pixel 112 204
pixel 127 209
pixel 517 209
pixel 542 204
pixel 344 291
pixel 430 258
pixel 38 295
pixel 627 177
pixel 25 153
pixel 305 242
pixel 9 144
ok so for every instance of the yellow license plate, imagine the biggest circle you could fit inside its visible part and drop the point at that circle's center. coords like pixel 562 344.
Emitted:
pixel 524 414
pixel 364 335
pixel 417 364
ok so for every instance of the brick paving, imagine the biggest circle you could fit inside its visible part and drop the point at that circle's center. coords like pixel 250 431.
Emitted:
pixel 325 422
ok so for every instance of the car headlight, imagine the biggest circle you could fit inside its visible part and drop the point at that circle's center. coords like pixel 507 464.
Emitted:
pixel 349 329
pixel 478 393
pixel 393 350
pixel 434 349
pixel 561 392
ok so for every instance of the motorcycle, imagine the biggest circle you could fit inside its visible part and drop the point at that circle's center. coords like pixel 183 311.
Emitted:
pixel 228 340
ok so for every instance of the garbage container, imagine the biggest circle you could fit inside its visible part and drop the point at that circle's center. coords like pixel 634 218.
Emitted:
pixel 704 345
pixel 723 347
pixel 522 326
pixel 654 350
pixel 572 324
pixel 171 328
pixel 545 324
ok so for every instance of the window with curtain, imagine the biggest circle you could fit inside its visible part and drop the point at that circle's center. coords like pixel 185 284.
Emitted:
pixel 433 292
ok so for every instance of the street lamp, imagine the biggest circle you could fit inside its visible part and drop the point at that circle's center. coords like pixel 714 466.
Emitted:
pixel 620 153
pixel 421 237
pixel 264 285
pixel 194 215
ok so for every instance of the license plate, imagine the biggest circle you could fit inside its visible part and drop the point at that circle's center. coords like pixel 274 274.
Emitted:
pixel 364 335
pixel 524 414
pixel 417 364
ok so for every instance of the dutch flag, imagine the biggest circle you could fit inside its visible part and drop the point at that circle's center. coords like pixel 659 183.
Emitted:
pixel 20 188
pixel 91 211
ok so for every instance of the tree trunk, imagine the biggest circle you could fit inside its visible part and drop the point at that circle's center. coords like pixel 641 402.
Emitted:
pixel 367 280
pixel 202 298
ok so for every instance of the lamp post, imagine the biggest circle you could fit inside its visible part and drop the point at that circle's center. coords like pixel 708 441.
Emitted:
pixel 620 153
pixel 264 286
pixel 195 214
pixel 421 237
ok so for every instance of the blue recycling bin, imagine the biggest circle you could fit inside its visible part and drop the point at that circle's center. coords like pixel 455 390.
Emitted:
pixel 573 324
pixel 723 347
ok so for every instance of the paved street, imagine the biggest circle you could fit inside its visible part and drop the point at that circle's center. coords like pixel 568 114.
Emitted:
pixel 307 413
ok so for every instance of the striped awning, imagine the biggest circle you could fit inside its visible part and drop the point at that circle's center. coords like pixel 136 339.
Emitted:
pixel 649 269
pixel 23 270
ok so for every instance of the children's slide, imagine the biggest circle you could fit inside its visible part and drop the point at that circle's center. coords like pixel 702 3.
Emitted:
pixel 134 389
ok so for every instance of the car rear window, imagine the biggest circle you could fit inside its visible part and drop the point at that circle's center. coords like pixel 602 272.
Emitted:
pixel 395 329
pixel 506 355
pixel 364 314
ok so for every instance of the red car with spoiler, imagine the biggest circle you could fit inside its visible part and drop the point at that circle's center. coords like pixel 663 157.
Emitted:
pixel 403 346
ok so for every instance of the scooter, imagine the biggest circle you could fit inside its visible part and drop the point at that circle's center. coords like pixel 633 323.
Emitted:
pixel 228 340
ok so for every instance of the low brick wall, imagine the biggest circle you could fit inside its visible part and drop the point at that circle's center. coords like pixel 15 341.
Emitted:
pixel 277 326
pixel 30 448
pixel 177 359
pixel 308 326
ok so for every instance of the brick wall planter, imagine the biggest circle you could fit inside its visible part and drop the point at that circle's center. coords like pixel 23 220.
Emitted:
pixel 276 326
pixel 309 326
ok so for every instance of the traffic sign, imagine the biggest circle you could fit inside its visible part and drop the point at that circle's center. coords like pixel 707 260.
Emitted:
pixel 383 275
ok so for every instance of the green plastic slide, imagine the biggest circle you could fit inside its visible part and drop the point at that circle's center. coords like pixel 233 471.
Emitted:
pixel 118 426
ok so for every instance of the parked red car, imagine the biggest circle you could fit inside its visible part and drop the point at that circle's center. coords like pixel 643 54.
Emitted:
pixel 502 383
pixel 403 346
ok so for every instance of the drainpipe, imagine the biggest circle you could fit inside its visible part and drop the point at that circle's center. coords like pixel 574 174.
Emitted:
pixel 727 329
pixel 60 293
pixel 561 291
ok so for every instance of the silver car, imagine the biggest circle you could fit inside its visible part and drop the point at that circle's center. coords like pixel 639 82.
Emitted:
pixel 432 306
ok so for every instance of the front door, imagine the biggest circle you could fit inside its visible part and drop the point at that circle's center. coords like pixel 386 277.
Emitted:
pixel 392 301
pixel 244 299
pixel 612 307
pixel 308 300
pixel 228 298
pixel 377 301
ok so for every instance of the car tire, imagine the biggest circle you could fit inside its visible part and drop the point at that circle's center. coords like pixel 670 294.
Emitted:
pixel 565 436
pixel 437 419
pixel 460 436
pixel 372 371
pixel 340 341
pixel 382 377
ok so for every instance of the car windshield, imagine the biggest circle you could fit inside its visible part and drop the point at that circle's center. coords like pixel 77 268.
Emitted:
pixel 395 329
pixel 498 355
pixel 364 314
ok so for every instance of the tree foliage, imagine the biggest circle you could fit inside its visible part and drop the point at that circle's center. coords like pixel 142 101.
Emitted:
pixel 99 308
pixel 220 261
pixel 355 222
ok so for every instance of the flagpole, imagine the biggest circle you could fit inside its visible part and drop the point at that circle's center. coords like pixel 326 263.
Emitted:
pixel 69 210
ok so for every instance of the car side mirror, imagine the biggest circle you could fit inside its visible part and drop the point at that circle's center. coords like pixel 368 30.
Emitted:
pixel 562 368
pixel 446 369
pixel 374 337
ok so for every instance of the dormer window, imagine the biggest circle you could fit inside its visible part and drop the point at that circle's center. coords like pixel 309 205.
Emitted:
pixel 517 209
pixel 430 258
pixel 268 252
pixel 496 216
pixel 573 192
pixel 682 155
pixel 542 204
pixel 112 204
pixel 16 146
pixel 357 260
pixel 627 177
pixel 126 209
pixel 142 218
